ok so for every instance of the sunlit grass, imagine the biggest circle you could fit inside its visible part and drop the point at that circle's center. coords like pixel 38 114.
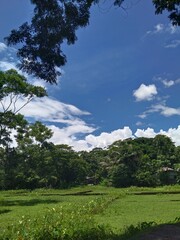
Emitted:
pixel 117 208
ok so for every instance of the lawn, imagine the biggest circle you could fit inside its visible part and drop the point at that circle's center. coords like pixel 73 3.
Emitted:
pixel 117 208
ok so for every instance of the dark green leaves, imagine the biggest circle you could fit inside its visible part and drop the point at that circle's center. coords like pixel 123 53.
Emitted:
pixel 13 88
pixel 171 6
pixel 54 22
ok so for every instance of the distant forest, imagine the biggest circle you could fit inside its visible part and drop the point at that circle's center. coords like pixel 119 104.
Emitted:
pixel 132 162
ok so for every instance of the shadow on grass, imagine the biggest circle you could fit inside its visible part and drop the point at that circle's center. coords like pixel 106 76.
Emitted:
pixel 159 232
pixel 155 193
pixel 17 193
pixel 3 211
pixel 82 193
pixel 150 231
pixel 31 202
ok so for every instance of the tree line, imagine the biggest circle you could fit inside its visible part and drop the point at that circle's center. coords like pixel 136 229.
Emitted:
pixel 132 162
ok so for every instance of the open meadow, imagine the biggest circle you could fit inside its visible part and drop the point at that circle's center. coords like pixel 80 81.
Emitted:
pixel 91 212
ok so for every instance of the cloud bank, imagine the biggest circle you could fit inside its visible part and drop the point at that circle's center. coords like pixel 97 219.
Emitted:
pixel 63 136
pixel 75 132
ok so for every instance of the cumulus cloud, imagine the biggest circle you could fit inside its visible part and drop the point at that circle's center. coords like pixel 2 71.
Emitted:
pixel 173 133
pixel 145 92
pixel 65 136
pixel 148 133
pixel 105 139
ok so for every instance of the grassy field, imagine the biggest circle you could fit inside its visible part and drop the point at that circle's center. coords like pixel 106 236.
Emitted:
pixel 115 208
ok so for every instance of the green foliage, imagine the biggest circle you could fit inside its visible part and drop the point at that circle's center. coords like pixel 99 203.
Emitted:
pixel 36 163
pixel 60 223
pixel 41 164
pixel 171 6
pixel 13 87
pixel 58 21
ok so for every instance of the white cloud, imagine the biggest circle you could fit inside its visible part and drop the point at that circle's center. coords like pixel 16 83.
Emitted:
pixel 50 110
pixel 168 83
pixel 159 28
pixel 163 28
pixel 148 133
pixel 65 136
pixel 77 133
pixel 173 44
pixel 105 139
pixel 173 133
pixel 69 116
pixel 145 93
pixel 166 111
pixel 3 47
pixel 5 65
pixel 162 109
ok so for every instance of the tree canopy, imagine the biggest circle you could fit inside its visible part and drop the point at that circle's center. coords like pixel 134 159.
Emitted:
pixel 13 88
pixel 35 162
pixel 55 22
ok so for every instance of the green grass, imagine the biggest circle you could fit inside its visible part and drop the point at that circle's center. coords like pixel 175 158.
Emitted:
pixel 117 208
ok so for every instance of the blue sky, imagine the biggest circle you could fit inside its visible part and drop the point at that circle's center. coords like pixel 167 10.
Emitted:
pixel 122 78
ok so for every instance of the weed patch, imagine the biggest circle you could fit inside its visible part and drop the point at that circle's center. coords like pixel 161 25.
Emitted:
pixel 61 223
